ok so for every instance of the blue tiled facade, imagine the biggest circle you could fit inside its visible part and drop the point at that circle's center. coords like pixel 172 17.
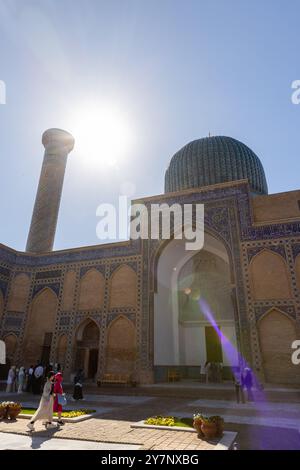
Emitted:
pixel 196 174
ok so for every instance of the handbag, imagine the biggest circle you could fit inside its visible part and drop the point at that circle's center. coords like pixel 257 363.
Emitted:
pixel 61 399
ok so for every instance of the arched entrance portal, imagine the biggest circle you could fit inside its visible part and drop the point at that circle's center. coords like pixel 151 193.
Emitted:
pixel 87 348
pixel 184 336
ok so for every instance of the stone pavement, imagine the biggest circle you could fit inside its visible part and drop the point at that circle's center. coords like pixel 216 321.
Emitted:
pixel 254 424
pixel 9 441
pixel 113 432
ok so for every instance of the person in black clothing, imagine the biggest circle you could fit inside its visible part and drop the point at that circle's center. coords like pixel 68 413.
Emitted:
pixel 38 379
pixel 48 368
pixel 78 381
pixel 29 379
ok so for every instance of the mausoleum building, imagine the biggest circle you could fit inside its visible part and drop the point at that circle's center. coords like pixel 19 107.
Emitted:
pixel 134 307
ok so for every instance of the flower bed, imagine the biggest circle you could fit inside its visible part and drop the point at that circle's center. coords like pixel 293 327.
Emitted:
pixel 65 414
pixel 10 409
pixel 170 421
pixel 69 416
pixel 208 427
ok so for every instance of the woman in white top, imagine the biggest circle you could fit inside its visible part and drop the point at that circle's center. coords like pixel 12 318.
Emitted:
pixel 21 379
pixel 207 371
pixel 45 409
pixel 11 379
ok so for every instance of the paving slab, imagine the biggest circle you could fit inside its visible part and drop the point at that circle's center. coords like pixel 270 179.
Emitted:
pixel 9 441
pixel 266 406
pixel 119 412
pixel 122 399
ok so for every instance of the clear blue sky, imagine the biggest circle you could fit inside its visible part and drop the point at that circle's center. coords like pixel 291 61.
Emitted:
pixel 181 69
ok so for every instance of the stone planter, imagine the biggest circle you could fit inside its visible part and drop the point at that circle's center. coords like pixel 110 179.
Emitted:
pixel 209 429
pixel 219 424
pixel 10 409
pixel 12 413
pixel 197 425
pixel 3 412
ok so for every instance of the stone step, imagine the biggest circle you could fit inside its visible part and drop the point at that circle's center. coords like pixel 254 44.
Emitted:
pixel 211 393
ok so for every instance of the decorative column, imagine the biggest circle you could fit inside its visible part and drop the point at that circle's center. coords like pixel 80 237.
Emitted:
pixel 58 144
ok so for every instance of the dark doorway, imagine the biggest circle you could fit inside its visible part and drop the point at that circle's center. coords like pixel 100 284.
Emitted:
pixel 79 359
pixel 45 358
pixel 4 368
pixel 213 345
pixel 93 363
pixel 87 348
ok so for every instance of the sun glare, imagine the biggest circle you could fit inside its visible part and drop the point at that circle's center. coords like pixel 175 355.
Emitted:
pixel 102 133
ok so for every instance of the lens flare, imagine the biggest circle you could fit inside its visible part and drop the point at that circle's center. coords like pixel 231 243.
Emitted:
pixel 230 351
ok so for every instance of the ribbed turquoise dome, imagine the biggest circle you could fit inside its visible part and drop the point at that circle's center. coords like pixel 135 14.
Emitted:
pixel 213 160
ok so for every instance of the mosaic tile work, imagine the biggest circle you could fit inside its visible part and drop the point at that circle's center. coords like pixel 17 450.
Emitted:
pixel 228 217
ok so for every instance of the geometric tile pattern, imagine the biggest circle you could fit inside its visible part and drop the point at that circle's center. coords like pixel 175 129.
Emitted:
pixel 228 217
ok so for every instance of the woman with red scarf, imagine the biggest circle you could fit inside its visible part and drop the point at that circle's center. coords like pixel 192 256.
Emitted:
pixel 58 390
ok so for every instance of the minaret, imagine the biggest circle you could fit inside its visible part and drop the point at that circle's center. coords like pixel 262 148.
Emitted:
pixel 58 144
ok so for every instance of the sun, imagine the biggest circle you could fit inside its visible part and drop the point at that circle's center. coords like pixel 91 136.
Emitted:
pixel 103 134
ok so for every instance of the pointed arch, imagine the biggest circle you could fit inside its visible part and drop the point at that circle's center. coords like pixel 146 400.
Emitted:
pixel 121 346
pixel 223 248
pixel 86 324
pixel 87 337
pixel 123 287
pixel 40 326
pixel 18 297
pixel 276 309
pixel 91 290
pixel 269 276
pixel 276 334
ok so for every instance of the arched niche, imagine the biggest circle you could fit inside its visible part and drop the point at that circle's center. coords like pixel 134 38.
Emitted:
pixel 91 290
pixel 184 335
pixel 269 276
pixel 40 327
pixel 276 334
pixel 123 287
pixel 121 346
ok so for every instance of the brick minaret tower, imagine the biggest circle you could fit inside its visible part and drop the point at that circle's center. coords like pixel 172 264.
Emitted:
pixel 58 144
